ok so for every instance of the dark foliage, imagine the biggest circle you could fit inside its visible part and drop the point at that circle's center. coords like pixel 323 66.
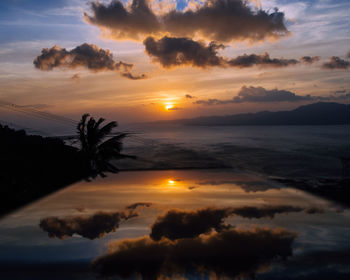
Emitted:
pixel 31 166
pixel 98 146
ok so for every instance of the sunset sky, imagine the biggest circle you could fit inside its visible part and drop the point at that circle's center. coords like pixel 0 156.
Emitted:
pixel 149 60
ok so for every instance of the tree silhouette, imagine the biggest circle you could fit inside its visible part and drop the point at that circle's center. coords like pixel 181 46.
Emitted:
pixel 99 146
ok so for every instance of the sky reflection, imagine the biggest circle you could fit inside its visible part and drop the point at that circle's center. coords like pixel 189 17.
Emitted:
pixel 203 219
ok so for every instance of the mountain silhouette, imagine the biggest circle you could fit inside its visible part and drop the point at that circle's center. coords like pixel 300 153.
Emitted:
pixel 322 113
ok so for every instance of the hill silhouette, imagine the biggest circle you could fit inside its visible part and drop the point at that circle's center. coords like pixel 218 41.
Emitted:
pixel 32 166
pixel 322 113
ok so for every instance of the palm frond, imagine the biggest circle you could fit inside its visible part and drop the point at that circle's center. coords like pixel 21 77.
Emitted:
pixel 96 152
pixel 107 129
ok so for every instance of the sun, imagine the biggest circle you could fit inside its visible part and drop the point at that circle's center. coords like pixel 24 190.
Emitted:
pixel 169 106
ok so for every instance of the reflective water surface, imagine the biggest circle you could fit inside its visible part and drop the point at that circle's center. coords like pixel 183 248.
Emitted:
pixel 177 224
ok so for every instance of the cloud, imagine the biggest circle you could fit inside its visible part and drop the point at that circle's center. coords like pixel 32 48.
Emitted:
pixel 227 254
pixel 177 224
pixel 256 186
pixel 343 91
pixel 336 62
pixel 271 210
pixel 314 210
pixel 259 94
pixel 188 96
pixel 310 59
pixel 218 20
pixel 91 227
pixel 87 56
pixel 245 60
pixel 183 51
pixel 122 22
pixel 216 182
pixel 174 108
pixel 170 52
pixel 247 186
pixel 133 77
pixel 76 77
pixel 139 204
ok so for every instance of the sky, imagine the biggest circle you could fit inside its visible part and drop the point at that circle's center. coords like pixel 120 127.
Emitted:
pixel 146 60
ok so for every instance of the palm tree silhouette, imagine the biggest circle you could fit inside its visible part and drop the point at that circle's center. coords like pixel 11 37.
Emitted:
pixel 98 146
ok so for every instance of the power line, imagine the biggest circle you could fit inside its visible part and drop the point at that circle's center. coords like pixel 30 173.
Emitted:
pixel 37 113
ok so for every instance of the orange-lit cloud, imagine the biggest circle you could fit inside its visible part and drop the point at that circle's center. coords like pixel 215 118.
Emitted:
pixel 336 62
pixel 87 56
pixel 262 95
pixel 170 52
pixel 217 20
pixel 231 253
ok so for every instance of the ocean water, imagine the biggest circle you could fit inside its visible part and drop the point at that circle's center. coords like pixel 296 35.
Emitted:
pixel 193 224
pixel 291 151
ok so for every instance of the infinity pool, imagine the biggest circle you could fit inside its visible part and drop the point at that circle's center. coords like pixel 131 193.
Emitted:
pixel 177 224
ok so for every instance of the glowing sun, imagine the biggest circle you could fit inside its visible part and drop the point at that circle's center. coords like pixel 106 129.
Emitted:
pixel 169 106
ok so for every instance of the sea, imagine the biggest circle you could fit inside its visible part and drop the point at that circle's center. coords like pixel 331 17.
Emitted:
pixel 291 151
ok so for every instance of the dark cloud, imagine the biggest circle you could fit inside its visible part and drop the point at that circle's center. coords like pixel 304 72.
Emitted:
pixel 343 91
pixel 91 227
pixel 80 208
pixel 314 210
pixel 245 60
pixel 264 212
pixel 247 186
pixel 132 76
pixel 218 20
pixel 174 108
pixel 123 23
pixel 226 20
pixel 76 77
pixel 188 96
pixel 170 52
pixel 139 204
pixel 336 62
pixel 216 182
pixel 183 51
pixel 177 224
pixel 257 186
pixel 259 94
pixel 88 56
pixel 227 254
pixel 310 59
